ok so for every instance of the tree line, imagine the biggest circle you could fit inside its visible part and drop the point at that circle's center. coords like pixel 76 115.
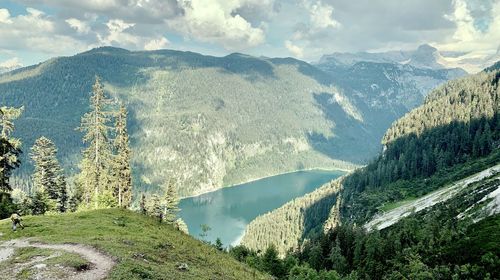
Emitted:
pixel 105 176
pixel 454 134
pixel 458 124
pixel 437 243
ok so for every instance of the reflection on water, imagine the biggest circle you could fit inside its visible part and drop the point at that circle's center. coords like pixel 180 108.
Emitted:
pixel 228 211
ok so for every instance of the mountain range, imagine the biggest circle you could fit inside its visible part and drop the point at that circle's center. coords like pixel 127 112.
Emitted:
pixel 444 150
pixel 209 122
pixel 425 56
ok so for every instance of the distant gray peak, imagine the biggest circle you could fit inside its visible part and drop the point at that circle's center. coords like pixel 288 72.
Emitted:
pixel 10 68
pixel 426 48
pixel 424 56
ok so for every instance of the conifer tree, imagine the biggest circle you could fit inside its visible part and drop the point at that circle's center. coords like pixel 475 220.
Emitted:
pixel 96 162
pixel 154 207
pixel 40 201
pixel 181 225
pixel 171 203
pixel 10 147
pixel 62 193
pixel 48 175
pixel 122 170
pixel 142 205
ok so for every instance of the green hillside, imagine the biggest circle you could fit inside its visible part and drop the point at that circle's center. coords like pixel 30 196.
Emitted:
pixel 456 238
pixel 205 121
pixel 454 134
pixel 210 121
pixel 141 247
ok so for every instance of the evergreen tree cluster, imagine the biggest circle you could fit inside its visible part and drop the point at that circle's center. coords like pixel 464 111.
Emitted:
pixel 285 227
pixel 49 182
pixel 164 208
pixel 462 100
pixel 458 123
pixel 10 149
pixel 454 134
pixel 105 178
pixel 438 243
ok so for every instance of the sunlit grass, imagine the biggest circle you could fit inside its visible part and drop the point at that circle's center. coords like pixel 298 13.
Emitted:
pixel 142 247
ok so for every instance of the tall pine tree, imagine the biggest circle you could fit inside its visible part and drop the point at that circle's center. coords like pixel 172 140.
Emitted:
pixel 122 171
pixel 10 147
pixel 171 203
pixel 96 163
pixel 49 176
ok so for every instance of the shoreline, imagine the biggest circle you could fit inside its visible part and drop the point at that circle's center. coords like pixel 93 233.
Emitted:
pixel 264 177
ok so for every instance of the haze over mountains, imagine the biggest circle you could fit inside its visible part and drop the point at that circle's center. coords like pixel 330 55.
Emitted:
pixel 210 121
pixel 10 65
pixel 425 56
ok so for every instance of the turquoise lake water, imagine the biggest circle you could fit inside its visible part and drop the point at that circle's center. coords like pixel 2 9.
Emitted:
pixel 227 211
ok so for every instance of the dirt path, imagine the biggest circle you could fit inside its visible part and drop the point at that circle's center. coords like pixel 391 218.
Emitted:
pixel 101 263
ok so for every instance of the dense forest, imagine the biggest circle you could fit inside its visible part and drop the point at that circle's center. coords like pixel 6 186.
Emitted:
pixel 446 241
pixel 284 227
pixel 211 121
pixel 105 171
pixel 207 121
pixel 454 134
pixel 458 123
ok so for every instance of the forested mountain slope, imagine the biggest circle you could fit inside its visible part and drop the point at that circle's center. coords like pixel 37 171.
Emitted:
pixel 455 134
pixel 285 226
pixel 204 121
pixel 445 241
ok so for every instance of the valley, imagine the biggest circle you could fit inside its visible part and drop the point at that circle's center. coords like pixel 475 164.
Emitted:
pixel 209 122
pixel 228 211
pixel 248 140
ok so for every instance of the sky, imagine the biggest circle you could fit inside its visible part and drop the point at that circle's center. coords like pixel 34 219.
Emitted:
pixel 32 31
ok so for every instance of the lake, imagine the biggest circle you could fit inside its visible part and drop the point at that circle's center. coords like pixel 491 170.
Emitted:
pixel 227 211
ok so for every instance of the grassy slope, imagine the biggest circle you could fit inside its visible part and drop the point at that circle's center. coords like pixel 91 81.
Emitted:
pixel 143 248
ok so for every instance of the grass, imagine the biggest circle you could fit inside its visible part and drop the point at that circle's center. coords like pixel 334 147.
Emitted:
pixel 25 254
pixel 143 248
pixel 25 273
pixel 71 260
pixel 393 205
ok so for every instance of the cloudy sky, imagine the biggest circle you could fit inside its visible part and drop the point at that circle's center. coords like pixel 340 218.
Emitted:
pixel 35 30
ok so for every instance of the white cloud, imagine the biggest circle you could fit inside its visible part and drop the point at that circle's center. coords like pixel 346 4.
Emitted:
pixel 467 36
pixel 321 16
pixel 14 62
pixel 80 26
pixel 231 24
pixel 214 21
pixel 117 34
pixel 320 26
pixel 294 50
pixel 140 11
pixel 5 16
pixel 35 31
pixel 464 21
pixel 305 28
pixel 156 44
